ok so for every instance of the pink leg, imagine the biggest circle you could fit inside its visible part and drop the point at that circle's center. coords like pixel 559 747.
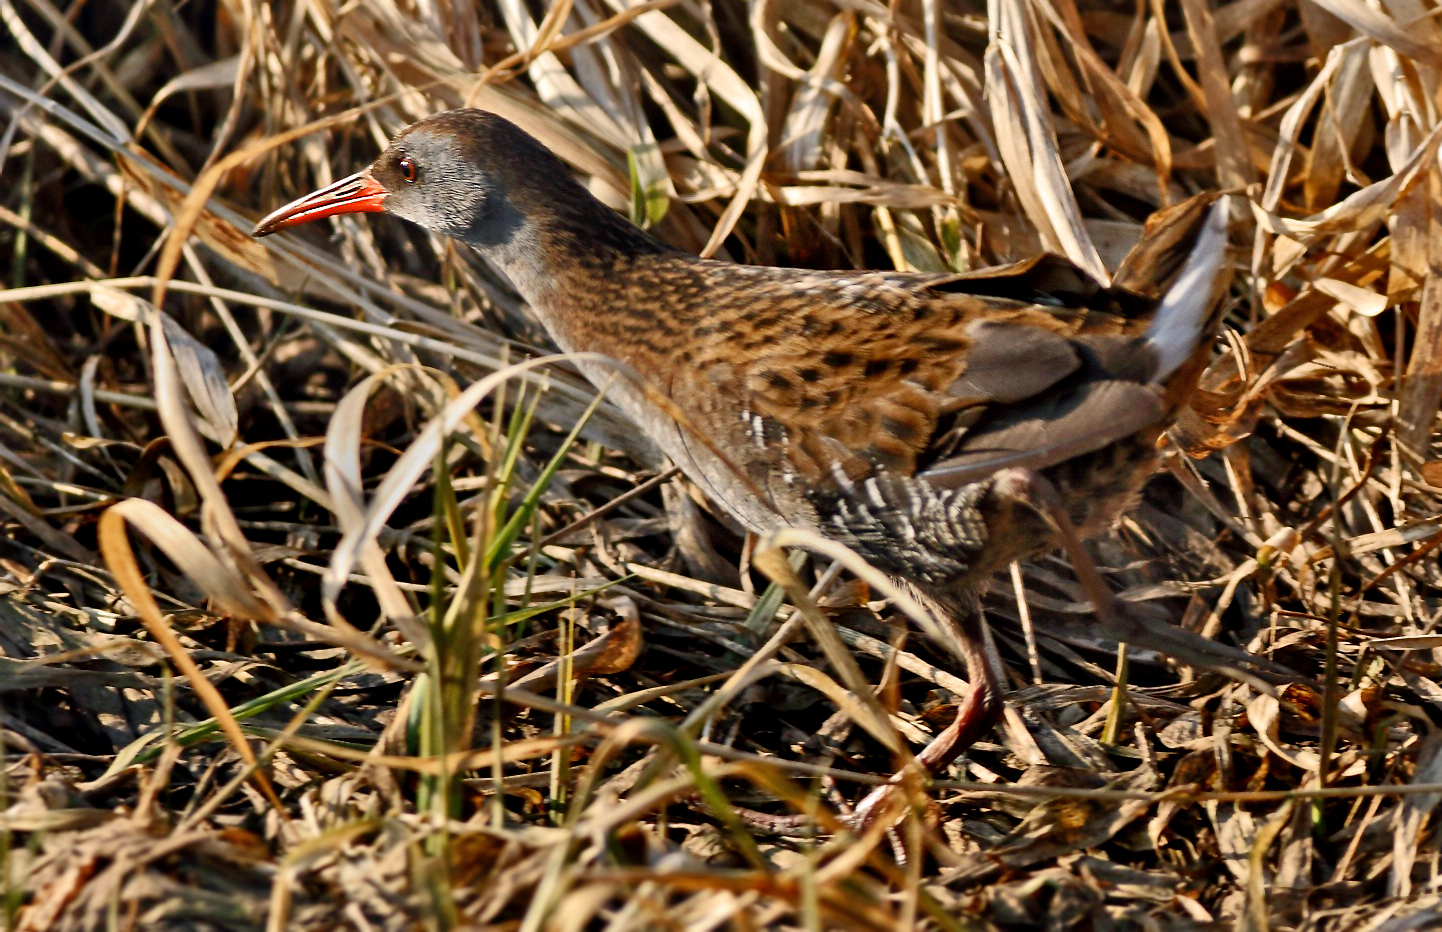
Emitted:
pixel 978 710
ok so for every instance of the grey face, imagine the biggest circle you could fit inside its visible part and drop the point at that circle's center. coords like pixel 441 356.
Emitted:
pixel 470 175
pixel 464 185
pixel 442 181
pixel 430 182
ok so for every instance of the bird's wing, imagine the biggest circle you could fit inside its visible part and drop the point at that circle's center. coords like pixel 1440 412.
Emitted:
pixel 947 376
pixel 1049 429
pixel 940 382
pixel 1034 398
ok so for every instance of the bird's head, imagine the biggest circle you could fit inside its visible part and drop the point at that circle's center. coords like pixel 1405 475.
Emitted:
pixel 447 173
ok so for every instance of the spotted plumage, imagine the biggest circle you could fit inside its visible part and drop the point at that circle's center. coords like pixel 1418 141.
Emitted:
pixel 906 415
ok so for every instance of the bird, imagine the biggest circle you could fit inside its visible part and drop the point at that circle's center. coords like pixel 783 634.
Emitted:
pixel 942 425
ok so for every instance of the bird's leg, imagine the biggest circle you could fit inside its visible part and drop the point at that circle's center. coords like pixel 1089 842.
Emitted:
pixel 1037 491
pixel 979 709
pixel 1181 645
pixel 968 637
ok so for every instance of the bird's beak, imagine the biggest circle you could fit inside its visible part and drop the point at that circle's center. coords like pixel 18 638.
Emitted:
pixel 359 193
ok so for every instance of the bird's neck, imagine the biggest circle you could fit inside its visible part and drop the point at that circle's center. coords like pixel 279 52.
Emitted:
pixel 574 261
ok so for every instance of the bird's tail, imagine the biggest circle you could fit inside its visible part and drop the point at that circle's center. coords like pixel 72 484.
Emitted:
pixel 1186 311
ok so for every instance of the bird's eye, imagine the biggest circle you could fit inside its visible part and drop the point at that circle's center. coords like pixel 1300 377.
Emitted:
pixel 407 165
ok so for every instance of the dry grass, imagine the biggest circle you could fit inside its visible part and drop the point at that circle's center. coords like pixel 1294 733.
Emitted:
pixel 269 555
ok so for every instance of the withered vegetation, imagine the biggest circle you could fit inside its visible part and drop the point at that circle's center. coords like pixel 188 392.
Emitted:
pixel 282 518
